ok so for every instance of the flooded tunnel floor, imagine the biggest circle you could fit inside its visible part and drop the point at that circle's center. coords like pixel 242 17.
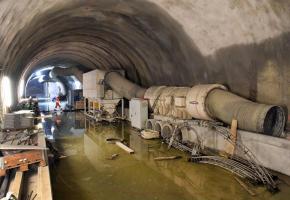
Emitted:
pixel 87 173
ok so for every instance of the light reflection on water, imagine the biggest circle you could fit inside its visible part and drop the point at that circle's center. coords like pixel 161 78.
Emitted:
pixel 87 173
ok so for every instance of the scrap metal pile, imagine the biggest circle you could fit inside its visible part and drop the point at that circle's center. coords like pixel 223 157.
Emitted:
pixel 248 167
pixel 25 137
pixel 19 152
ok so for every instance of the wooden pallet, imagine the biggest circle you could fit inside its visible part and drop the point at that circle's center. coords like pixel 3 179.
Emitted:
pixel 21 161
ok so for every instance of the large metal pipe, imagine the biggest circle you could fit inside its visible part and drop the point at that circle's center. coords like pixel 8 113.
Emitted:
pixel 69 71
pixel 214 102
pixel 251 116
pixel 207 102
pixel 123 86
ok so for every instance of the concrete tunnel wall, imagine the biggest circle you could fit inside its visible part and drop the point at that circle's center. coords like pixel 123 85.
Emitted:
pixel 242 44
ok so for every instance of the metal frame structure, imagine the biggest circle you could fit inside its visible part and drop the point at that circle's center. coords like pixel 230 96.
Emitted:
pixel 95 113
pixel 249 168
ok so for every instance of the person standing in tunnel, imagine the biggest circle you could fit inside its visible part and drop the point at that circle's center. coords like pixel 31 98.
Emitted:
pixel 57 104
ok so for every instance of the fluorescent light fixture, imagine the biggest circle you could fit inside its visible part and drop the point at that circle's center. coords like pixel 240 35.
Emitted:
pixel 21 88
pixel 38 73
pixel 41 78
pixel 6 91
pixel 42 117
pixel 52 129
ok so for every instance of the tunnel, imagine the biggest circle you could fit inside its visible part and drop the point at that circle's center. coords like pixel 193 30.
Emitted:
pixel 242 45
pixel 157 43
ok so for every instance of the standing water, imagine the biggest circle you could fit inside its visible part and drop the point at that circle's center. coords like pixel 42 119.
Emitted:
pixel 88 171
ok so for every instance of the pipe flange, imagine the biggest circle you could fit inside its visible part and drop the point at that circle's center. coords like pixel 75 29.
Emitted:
pixel 150 124
pixel 196 98
pixel 166 131
pixel 158 126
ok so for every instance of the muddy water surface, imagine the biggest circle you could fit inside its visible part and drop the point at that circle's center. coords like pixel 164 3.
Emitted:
pixel 87 173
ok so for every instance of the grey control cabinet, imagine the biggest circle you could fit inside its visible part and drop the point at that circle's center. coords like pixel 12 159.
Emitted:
pixel 138 112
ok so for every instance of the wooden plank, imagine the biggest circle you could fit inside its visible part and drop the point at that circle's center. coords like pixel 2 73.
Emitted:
pixel 44 191
pixel 167 158
pixel 29 188
pixel 41 140
pixel 21 147
pixel 234 127
pixel 124 147
pixel 42 143
pixel 230 148
pixel 16 185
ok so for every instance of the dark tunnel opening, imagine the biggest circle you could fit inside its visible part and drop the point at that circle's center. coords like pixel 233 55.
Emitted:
pixel 274 120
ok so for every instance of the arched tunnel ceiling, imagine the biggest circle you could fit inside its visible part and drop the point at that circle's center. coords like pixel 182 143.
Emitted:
pixel 242 44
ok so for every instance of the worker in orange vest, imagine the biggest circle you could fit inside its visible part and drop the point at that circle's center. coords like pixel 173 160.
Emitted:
pixel 57 104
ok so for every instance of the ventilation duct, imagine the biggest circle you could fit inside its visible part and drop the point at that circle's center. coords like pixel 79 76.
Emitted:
pixel 69 71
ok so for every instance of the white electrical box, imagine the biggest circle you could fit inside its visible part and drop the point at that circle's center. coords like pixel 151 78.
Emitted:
pixel 138 112
pixel 93 86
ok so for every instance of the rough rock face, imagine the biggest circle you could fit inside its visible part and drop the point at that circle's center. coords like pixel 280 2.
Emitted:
pixel 243 44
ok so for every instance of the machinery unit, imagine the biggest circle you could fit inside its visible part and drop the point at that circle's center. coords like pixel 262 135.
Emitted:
pixel 93 86
pixel 101 100
pixel 138 111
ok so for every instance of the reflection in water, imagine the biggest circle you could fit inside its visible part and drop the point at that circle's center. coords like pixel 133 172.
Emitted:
pixel 64 125
pixel 87 173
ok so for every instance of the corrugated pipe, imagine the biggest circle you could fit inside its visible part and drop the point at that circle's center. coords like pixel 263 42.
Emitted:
pixel 123 86
pixel 262 118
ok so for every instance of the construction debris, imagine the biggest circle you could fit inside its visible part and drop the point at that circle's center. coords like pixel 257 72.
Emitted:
pixel 113 139
pixel 113 157
pixel 248 168
pixel 21 161
pixel 149 134
pixel 16 186
pixel 230 148
pixel 124 147
pixel 20 151
pixel 26 137
pixel 168 158
pixel 21 147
